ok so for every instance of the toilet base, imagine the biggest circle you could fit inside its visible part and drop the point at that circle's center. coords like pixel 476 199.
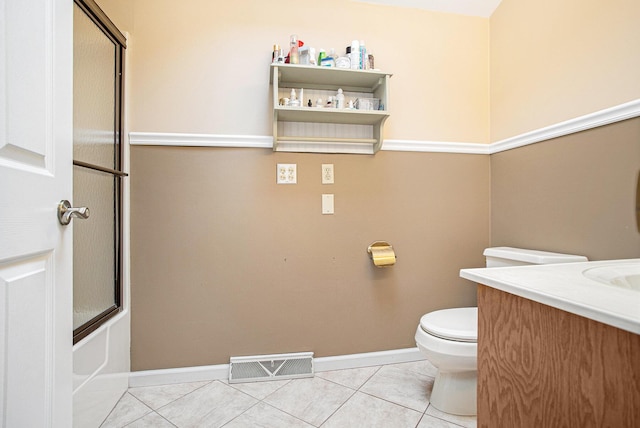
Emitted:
pixel 455 392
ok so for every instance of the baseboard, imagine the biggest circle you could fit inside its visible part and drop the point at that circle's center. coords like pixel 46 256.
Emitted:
pixel 179 375
pixel 321 364
pixel 354 361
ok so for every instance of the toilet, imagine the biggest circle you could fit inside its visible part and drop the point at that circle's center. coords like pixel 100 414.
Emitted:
pixel 448 337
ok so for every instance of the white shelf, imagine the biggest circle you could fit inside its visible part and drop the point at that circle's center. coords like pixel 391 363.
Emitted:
pixel 330 115
pixel 370 83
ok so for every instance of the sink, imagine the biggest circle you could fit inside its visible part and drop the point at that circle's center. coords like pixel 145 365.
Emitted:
pixel 626 275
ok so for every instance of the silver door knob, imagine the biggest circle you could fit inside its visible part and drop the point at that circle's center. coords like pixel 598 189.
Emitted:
pixel 66 212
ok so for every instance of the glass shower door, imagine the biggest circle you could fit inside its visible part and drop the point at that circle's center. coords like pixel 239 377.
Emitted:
pixel 97 174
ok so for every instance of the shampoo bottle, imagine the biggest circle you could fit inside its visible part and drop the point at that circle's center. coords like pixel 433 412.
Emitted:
pixel 355 55
pixel 363 55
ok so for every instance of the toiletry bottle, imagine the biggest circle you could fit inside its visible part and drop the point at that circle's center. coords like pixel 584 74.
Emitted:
pixel 275 54
pixel 294 101
pixel 372 64
pixel 340 99
pixel 312 56
pixel 321 55
pixel 329 60
pixel 355 55
pixel 332 55
pixel 293 50
pixel 363 55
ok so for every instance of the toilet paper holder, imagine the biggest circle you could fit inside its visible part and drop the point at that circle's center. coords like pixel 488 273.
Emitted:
pixel 382 254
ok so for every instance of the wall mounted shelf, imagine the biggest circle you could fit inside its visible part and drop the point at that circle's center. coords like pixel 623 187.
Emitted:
pixel 365 136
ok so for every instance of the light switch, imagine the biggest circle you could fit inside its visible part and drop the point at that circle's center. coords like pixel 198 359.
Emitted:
pixel 327 173
pixel 286 173
pixel 327 204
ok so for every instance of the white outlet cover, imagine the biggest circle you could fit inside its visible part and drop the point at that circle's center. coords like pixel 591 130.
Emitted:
pixel 327 173
pixel 327 204
pixel 286 173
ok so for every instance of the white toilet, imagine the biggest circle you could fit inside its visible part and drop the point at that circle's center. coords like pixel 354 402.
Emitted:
pixel 448 337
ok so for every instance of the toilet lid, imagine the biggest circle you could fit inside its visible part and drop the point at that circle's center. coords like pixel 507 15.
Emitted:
pixel 459 324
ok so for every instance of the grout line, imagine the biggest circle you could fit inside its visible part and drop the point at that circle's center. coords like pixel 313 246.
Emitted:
pixel 137 419
pixel 237 416
pixel 286 413
pixel 339 407
pixel 181 397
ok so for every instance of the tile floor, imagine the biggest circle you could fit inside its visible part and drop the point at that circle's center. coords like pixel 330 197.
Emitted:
pixel 389 396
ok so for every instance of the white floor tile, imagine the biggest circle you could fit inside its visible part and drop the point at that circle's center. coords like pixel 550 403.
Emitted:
pixel 126 411
pixel 264 416
pixel 351 378
pixel 394 395
pixel 152 420
pixel 363 410
pixel 404 387
pixel 158 396
pixel 312 400
pixel 465 421
pixel 260 390
pixel 212 405
pixel 431 422
pixel 423 367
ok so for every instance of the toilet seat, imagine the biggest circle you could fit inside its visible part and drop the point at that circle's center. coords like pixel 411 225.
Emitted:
pixel 457 324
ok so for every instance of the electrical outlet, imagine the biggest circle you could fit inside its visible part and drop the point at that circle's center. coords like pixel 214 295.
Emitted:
pixel 327 173
pixel 287 173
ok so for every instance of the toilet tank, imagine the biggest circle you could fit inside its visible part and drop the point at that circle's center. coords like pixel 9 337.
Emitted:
pixel 509 256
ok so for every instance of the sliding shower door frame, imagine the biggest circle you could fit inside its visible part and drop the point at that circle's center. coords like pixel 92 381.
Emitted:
pixel 93 11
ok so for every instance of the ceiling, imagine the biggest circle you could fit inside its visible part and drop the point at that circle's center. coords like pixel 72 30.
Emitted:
pixel 482 8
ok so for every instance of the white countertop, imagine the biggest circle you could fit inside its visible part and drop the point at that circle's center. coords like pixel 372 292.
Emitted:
pixel 563 286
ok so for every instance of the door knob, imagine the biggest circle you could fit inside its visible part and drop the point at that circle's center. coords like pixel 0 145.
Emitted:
pixel 66 212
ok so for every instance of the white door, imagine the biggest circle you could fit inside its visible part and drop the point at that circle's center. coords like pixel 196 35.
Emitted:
pixel 36 275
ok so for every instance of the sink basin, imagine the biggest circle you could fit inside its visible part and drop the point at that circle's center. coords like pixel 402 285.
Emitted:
pixel 626 275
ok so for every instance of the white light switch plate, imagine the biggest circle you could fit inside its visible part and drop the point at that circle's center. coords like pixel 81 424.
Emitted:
pixel 327 204
pixel 327 173
pixel 287 173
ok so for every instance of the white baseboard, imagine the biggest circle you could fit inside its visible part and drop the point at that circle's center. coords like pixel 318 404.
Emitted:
pixel 321 364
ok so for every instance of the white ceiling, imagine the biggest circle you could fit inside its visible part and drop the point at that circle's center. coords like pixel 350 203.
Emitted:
pixel 482 8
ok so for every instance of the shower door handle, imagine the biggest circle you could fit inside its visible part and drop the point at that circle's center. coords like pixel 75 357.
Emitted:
pixel 66 212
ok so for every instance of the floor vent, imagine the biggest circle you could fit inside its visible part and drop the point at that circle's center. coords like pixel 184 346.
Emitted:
pixel 259 368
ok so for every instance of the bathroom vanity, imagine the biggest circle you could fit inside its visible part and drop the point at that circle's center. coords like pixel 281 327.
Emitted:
pixel 559 345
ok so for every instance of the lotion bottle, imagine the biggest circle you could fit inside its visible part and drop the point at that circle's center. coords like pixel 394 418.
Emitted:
pixel 340 99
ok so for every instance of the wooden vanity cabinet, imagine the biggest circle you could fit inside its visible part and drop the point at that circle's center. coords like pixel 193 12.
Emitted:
pixel 539 366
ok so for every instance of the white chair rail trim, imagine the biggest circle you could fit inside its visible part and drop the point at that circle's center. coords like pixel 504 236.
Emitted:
pixel 592 120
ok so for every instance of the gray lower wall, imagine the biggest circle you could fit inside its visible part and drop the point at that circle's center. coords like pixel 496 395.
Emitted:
pixel 226 262
pixel 575 194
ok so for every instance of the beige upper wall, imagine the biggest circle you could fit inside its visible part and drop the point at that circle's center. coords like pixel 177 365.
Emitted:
pixel 202 67
pixel 199 66
pixel 555 60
